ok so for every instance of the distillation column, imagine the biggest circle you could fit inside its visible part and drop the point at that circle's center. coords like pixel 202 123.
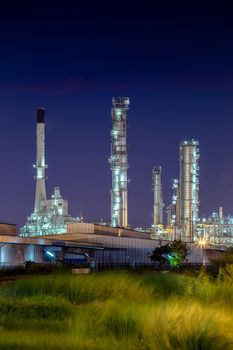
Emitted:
pixel 40 160
pixel 119 163
pixel 188 188
pixel 158 196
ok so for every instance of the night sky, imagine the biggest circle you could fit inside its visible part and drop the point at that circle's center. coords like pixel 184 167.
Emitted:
pixel 175 62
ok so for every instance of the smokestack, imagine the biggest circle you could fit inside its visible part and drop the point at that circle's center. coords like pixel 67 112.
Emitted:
pixel 119 163
pixel 40 159
pixel 40 115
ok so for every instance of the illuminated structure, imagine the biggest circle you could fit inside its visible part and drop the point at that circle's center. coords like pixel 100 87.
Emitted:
pixel 119 163
pixel 188 189
pixel 216 229
pixel 158 196
pixel 40 160
pixel 50 215
pixel 172 208
pixel 51 218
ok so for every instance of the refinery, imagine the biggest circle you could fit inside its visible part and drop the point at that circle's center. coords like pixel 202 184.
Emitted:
pixel 50 232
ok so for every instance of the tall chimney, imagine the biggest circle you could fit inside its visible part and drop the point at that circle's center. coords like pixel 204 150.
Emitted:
pixel 40 159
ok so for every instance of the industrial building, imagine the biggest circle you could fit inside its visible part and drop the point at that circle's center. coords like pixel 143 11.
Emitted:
pixel 84 243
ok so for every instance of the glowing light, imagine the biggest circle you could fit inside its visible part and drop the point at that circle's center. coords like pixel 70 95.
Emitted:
pixel 50 254
pixel 202 242
pixel 174 259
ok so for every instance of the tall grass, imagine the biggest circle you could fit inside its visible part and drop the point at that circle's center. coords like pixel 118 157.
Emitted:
pixel 79 289
pixel 152 311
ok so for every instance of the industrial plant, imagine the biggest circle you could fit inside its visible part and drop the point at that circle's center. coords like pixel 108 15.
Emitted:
pixel 51 233
pixel 50 215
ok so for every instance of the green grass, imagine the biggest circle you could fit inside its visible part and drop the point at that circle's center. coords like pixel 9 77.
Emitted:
pixel 107 311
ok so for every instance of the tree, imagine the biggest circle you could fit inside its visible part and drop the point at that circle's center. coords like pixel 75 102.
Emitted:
pixel 160 254
pixel 172 254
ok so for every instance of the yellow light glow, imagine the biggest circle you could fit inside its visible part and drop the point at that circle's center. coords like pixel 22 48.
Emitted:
pixel 202 242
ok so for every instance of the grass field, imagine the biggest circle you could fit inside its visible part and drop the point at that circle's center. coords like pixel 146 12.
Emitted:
pixel 118 311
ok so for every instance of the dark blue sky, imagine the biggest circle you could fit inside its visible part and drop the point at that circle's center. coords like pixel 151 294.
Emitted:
pixel 175 62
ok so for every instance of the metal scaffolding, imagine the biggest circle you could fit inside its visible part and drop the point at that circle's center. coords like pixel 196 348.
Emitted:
pixel 119 163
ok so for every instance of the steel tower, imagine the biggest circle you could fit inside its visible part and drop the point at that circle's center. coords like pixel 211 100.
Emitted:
pixel 119 163
pixel 188 188
pixel 40 160
pixel 158 196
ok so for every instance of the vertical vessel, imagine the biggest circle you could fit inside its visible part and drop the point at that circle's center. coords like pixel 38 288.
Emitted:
pixel 40 159
pixel 119 162
pixel 158 196
pixel 188 200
